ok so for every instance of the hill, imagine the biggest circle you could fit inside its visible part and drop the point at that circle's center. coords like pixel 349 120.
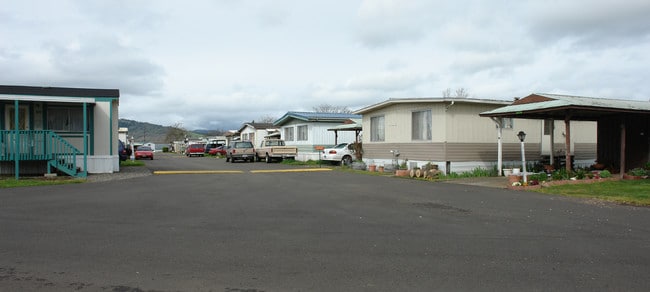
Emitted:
pixel 144 132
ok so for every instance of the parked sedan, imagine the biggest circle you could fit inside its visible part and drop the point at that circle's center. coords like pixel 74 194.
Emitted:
pixel 342 153
pixel 144 152
pixel 220 150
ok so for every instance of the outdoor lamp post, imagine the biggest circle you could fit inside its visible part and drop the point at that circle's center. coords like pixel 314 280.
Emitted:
pixel 132 149
pixel 522 136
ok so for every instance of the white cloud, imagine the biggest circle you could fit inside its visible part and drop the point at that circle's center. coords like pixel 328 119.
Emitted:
pixel 207 63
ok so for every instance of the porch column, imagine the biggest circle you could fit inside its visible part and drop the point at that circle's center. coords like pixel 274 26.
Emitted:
pixel 499 122
pixel 567 141
pixel 623 145
pixel 85 109
pixel 16 141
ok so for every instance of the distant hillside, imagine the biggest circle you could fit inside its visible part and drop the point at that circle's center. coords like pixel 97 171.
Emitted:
pixel 144 132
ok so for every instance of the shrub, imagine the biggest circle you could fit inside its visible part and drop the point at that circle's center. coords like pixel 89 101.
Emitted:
pixel 605 174
pixel 638 172
pixel 165 149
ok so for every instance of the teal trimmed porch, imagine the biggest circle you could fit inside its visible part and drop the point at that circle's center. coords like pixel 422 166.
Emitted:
pixel 18 146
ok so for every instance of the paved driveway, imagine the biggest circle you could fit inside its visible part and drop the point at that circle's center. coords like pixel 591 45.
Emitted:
pixel 312 231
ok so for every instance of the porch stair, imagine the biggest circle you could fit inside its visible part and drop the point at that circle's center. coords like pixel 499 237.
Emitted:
pixel 38 146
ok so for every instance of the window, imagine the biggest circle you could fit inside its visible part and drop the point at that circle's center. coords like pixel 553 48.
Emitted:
pixel 302 133
pixel 548 127
pixel 68 119
pixel 507 123
pixel 288 134
pixel 377 129
pixel 23 117
pixel 421 125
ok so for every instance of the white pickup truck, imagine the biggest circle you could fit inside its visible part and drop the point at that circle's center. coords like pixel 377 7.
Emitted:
pixel 274 149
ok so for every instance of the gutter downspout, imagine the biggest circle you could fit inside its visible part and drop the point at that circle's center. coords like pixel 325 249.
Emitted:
pixel 499 122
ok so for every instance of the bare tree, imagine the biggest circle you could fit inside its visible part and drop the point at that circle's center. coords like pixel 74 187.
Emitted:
pixel 446 93
pixel 266 119
pixel 328 108
pixel 461 92
pixel 175 132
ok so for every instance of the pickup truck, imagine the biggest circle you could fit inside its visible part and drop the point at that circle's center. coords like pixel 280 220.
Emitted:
pixel 274 149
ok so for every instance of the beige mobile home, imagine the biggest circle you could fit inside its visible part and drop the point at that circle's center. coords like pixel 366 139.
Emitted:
pixel 450 133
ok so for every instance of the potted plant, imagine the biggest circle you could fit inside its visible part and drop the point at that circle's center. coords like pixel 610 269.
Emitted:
pixel 403 169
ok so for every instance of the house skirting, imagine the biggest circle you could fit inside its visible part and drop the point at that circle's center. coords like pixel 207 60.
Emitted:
pixel 100 163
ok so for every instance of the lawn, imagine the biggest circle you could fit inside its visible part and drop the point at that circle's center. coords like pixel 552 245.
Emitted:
pixel 632 192
pixel 11 182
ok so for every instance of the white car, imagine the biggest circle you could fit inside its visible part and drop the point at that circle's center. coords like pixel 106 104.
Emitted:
pixel 343 153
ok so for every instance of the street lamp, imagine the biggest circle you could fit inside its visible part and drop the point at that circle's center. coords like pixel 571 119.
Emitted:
pixel 521 135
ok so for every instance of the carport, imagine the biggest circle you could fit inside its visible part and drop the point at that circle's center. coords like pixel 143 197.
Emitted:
pixel 349 125
pixel 623 125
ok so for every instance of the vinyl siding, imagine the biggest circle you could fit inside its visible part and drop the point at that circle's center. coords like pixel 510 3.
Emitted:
pixel 457 152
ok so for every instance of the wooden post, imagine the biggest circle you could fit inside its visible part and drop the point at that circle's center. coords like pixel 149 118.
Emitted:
pixel 623 145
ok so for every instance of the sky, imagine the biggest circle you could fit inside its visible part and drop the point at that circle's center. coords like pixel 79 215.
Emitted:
pixel 218 64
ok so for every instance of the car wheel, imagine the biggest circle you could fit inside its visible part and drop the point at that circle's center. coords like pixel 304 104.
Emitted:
pixel 257 158
pixel 232 160
pixel 346 160
pixel 227 159
pixel 151 157
pixel 268 158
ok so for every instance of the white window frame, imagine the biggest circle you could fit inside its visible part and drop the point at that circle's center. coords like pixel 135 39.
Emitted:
pixel 289 134
pixel 378 129
pixel 421 125
pixel 303 133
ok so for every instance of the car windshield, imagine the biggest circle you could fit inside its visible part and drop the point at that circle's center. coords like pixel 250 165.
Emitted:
pixel 339 146
pixel 244 145
pixel 144 148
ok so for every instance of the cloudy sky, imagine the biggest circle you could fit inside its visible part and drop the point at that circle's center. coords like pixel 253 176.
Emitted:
pixel 216 64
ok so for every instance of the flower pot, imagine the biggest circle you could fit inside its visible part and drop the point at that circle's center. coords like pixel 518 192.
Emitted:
pixel 513 178
pixel 372 168
pixel 507 171
pixel 380 169
pixel 402 172
pixel 516 171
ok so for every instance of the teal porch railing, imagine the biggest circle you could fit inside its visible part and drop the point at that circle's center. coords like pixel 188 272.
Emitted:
pixel 40 146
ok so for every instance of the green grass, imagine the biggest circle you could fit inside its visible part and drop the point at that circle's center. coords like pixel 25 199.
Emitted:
pixel 632 192
pixel 30 182
pixel 131 163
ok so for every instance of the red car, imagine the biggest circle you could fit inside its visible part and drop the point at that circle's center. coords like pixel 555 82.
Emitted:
pixel 144 152
pixel 221 150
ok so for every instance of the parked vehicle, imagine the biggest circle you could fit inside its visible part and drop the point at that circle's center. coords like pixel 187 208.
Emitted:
pixel 122 151
pixel 342 153
pixel 208 147
pixel 275 149
pixel 241 150
pixel 195 150
pixel 144 152
pixel 220 150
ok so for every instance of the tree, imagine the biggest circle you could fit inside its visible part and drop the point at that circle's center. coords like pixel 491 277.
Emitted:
pixel 175 132
pixel 461 92
pixel 266 119
pixel 328 108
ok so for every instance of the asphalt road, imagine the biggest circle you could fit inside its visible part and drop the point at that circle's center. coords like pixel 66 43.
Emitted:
pixel 312 231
